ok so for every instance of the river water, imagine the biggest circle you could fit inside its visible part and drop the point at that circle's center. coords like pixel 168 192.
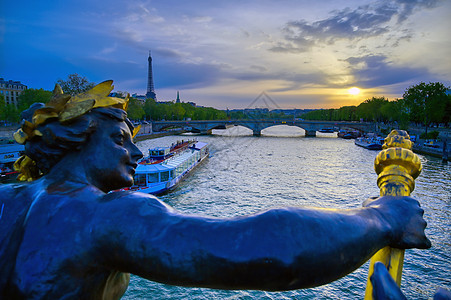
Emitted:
pixel 247 174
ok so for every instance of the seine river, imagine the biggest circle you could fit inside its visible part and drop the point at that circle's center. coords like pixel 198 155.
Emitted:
pixel 247 174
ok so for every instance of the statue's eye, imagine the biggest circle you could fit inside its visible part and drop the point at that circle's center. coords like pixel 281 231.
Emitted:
pixel 119 139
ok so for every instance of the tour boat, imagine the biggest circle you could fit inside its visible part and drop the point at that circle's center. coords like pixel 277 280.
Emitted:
pixel 9 153
pixel 370 142
pixel 165 167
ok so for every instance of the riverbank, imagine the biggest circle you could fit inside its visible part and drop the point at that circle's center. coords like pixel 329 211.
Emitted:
pixel 154 135
pixel 439 152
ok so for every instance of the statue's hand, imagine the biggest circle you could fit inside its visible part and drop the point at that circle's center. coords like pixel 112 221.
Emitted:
pixel 404 217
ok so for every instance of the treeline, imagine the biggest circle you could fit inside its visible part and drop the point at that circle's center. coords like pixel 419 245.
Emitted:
pixel 377 109
pixel 152 110
pixel 9 113
pixel 421 104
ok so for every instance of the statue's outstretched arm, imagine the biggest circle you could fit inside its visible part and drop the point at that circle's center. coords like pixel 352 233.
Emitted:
pixel 278 249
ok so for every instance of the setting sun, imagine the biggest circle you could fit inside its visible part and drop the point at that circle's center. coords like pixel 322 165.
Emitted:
pixel 354 91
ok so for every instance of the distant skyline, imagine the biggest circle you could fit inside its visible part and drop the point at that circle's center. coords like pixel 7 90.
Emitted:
pixel 224 54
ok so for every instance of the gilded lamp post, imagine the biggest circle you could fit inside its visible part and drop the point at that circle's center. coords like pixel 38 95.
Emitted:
pixel 397 167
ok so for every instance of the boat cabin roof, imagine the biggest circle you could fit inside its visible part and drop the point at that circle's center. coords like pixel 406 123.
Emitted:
pixel 199 145
pixel 156 168
pixel 159 151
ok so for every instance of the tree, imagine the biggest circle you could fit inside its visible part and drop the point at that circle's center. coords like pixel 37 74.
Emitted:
pixel 370 109
pixel 447 117
pixel 178 111
pixel 75 84
pixel 30 96
pixel 135 110
pixel 426 103
pixel 2 108
pixel 8 112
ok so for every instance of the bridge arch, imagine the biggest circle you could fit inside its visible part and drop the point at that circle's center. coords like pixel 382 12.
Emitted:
pixel 257 126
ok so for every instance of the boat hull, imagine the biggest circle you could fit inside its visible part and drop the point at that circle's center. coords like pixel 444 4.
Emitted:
pixel 368 145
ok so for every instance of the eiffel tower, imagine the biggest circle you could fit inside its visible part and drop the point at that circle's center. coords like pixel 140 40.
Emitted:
pixel 150 88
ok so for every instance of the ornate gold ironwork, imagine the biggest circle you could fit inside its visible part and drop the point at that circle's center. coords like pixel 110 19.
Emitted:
pixel 397 167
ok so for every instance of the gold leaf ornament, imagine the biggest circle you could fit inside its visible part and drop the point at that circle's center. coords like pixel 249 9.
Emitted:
pixel 27 168
pixel 74 110
pixel 102 90
pixel 111 101
pixel 58 102
pixel 41 115
pixel 136 130
pixel 20 136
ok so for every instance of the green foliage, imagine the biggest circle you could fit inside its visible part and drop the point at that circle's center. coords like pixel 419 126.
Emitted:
pixel 11 113
pixel 431 135
pixel 30 96
pixel 135 110
pixel 75 84
pixel 8 112
pixel 371 109
pixel 426 103
pixel 180 111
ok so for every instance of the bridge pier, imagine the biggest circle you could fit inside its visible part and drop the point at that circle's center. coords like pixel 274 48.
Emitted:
pixel 256 132
pixel 205 132
pixel 310 133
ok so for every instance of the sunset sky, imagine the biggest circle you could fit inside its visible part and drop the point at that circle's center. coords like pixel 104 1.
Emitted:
pixel 303 54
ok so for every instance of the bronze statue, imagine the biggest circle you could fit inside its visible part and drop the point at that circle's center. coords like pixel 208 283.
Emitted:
pixel 63 235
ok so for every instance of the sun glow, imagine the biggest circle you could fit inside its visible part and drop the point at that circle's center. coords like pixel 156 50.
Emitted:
pixel 354 91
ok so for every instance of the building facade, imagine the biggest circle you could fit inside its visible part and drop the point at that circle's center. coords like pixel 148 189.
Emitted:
pixel 11 90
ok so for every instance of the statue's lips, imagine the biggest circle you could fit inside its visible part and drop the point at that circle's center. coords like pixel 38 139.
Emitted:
pixel 133 167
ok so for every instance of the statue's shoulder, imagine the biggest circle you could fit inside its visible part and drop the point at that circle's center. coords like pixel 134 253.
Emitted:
pixel 127 200
pixel 14 205
pixel 8 192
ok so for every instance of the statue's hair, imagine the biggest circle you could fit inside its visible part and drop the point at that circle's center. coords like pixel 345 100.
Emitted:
pixel 58 138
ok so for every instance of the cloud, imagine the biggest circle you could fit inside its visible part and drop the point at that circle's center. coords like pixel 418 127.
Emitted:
pixel 366 21
pixel 375 71
pixel 108 50
pixel 407 7
pixel 186 76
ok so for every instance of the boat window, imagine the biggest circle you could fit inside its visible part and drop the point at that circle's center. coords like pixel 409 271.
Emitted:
pixel 164 176
pixel 172 173
pixel 161 152
pixel 179 170
pixel 152 177
pixel 140 179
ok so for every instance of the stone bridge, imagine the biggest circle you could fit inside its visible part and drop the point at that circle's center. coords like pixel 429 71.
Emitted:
pixel 310 127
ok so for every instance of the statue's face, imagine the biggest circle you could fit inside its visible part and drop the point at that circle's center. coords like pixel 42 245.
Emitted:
pixel 110 156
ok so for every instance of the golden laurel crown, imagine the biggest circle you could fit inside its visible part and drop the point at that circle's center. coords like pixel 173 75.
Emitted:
pixel 65 108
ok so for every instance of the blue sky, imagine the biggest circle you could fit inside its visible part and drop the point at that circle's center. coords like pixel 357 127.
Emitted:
pixel 303 54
